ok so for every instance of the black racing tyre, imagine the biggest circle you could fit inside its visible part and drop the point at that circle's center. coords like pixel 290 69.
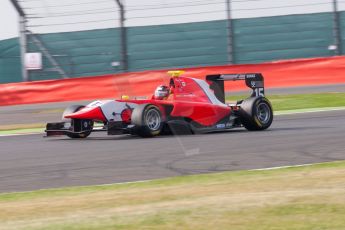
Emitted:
pixel 256 113
pixel 148 120
pixel 72 109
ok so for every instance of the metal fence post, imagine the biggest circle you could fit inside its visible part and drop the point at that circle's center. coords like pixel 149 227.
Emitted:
pixel 23 47
pixel 229 32
pixel 124 59
pixel 336 29
pixel 22 40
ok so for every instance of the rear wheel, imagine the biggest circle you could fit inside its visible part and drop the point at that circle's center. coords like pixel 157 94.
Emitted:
pixel 256 113
pixel 87 123
pixel 148 120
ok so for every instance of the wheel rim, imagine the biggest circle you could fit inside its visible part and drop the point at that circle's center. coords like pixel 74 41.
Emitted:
pixel 153 119
pixel 263 113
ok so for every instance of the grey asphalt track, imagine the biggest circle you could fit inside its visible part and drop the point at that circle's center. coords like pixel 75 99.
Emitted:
pixel 32 162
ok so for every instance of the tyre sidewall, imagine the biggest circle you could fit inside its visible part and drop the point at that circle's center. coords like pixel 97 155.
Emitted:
pixel 260 124
pixel 139 120
pixel 249 116
pixel 72 109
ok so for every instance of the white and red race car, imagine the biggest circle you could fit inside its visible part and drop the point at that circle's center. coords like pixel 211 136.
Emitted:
pixel 193 106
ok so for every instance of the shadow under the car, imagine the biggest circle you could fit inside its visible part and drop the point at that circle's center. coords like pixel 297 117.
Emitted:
pixel 104 137
pixel 100 137
pixel 297 128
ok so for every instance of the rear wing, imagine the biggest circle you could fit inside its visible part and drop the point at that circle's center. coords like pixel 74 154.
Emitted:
pixel 255 81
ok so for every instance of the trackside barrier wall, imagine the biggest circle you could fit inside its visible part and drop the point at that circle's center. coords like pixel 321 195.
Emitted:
pixel 256 40
pixel 303 72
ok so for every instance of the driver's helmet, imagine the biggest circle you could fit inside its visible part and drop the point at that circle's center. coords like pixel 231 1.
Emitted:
pixel 162 92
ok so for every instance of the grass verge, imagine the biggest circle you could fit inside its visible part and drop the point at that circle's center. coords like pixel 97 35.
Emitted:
pixel 310 197
pixel 21 128
pixel 21 131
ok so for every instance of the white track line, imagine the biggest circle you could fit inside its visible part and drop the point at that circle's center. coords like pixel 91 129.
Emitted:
pixel 300 111
pixel 283 167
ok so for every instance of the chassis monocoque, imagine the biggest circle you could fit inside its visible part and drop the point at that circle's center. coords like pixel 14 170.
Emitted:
pixel 194 106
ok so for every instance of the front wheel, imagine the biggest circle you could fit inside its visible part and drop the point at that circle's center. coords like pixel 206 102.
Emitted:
pixel 256 113
pixel 148 120
pixel 77 123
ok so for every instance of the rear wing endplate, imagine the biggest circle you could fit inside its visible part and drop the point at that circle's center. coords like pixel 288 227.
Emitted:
pixel 255 81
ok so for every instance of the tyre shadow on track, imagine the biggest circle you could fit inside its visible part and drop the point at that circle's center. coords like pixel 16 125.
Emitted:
pixel 220 132
pixel 129 137
pixel 298 128
pixel 133 137
pixel 229 132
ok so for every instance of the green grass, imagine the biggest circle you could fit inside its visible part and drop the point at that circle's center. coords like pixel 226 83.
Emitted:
pixel 310 197
pixel 21 131
pixel 302 101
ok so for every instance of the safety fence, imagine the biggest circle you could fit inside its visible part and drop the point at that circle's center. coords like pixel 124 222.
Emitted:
pixel 84 38
pixel 302 72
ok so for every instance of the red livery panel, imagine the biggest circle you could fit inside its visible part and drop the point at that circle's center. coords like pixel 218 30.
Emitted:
pixel 186 105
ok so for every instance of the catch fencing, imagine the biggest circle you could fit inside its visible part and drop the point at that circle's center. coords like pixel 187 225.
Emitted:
pixel 85 38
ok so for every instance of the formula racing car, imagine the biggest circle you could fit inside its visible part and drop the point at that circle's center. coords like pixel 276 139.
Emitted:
pixel 185 106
